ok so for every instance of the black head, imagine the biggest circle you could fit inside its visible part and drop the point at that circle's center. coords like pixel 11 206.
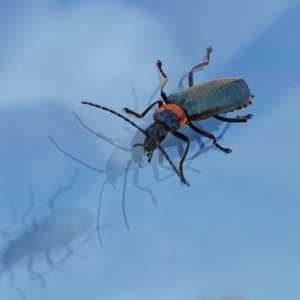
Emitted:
pixel 155 134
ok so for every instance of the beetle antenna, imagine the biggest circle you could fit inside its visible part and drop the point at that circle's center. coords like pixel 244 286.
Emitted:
pixel 136 145
pixel 144 132
pixel 117 114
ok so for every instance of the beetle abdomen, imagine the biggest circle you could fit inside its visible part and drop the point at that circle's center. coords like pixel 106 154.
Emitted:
pixel 211 98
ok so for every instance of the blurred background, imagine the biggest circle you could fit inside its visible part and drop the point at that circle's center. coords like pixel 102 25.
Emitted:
pixel 67 169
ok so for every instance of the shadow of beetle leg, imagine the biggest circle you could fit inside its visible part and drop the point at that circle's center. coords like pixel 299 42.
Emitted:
pixel 66 256
pixel 156 90
pixel 210 136
pixel 201 151
pixel 200 144
pixel 144 189
pixel 6 237
pixel 61 190
pixel 16 288
pixel 31 205
pixel 75 253
pixel 51 201
pixel 123 194
pixel 156 173
pixel 52 264
pixel 160 163
pixel 224 131
pixel 136 101
pixel 188 161
pixel 69 253
pixel 14 219
pixel 98 214
pixel 7 234
pixel 91 233
pixel 204 149
pixel 180 84
pixel 88 237
pixel 193 170
pixel 34 273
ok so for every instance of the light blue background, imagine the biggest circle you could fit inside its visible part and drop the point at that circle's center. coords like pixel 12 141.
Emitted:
pixel 233 234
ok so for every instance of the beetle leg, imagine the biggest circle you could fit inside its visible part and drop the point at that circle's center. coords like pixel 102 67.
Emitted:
pixel 166 79
pixel 204 63
pixel 142 115
pixel 187 140
pixel 34 273
pixel 180 174
pixel 249 116
pixel 238 119
pixel 210 136
pixel 12 281
pixel 52 264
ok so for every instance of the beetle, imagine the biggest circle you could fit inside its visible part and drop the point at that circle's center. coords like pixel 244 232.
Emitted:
pixel 196 103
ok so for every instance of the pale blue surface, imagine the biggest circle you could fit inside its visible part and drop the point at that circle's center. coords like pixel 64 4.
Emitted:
pixel 233 234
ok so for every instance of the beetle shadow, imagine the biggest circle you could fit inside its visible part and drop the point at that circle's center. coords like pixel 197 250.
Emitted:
pixel 125 158
pixel 44 237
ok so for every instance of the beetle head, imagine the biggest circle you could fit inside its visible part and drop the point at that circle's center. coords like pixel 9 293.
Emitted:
pixel 155 134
